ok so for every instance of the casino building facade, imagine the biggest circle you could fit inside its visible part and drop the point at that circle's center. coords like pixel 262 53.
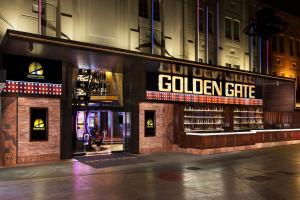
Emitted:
pixel 136 102
pixel 64 98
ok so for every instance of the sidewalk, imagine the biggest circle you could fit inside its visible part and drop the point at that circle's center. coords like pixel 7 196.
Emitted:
pixel 270 173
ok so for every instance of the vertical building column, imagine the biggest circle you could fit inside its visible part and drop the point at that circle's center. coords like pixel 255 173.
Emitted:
pixel 183 28
pixel 206 34
pixel 152 25
pixel 260 54
pixel 217 33
pixel 66 112
pixel 267 56
pixel 162 20
pixel 58 19
pixel 251 67
pixel 196 30
pixel 40 8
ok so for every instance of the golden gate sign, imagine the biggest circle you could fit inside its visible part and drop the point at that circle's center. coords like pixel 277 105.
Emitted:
pixel 178 84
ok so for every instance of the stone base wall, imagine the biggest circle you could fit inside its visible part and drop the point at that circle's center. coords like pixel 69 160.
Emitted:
pixel 38 150
pixel 163 139
pixel 8 131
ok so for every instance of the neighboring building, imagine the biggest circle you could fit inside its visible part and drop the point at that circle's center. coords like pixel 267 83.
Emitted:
pixel 284 55
pixel 285 48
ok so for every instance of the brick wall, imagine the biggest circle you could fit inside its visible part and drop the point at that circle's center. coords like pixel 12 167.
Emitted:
pixel 163 140
pixel 44 150
pixel 8 131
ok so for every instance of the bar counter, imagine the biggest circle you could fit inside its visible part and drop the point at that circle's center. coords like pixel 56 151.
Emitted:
pixel 242 138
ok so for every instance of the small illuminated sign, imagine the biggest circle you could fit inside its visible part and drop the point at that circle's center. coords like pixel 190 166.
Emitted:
pixel 35 71
pixel 149 123
pixel 38 124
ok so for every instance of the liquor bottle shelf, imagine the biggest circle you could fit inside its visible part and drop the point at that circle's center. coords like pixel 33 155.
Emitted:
pixel 248 117
pixel 204 117
pixel 201 130
pixel 202 123
pixel 191 110
pixel 244 129
pixel 248 123
pixel 256 112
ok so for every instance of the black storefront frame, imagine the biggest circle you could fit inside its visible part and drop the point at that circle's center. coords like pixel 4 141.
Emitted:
pixel 14 38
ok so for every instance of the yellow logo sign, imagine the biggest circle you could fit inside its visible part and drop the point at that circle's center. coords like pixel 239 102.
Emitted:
pixel 39 125
pixel 35 71
pixel 150 123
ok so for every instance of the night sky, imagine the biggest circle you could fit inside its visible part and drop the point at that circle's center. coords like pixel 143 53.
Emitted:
pixel 290 6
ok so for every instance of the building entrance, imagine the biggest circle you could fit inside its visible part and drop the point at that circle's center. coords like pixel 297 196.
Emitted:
pixel 101 131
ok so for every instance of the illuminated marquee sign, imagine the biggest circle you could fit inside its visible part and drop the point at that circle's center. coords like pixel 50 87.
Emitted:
pixel 178 84
pixel 32 69
pixel 31 88
pixel 166 87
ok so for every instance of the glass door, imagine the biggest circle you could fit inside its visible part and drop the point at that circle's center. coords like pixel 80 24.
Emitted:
pixel 102 131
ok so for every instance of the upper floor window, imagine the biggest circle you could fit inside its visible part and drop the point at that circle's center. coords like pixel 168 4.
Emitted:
pixel 298 48
pixel 201 20
pixel 228 28
pixel 291 46
pixel 274 43
pixel 236 30
pixel 254 40
pixel 143 8
pixel 156 14
pixel 232 29
pixel 281 44
pixel 236 66
pixel 210 22
pixel 228 65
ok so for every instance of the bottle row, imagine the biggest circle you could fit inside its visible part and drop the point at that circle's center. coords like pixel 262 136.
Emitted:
pixel 203 108
pixel 202 128
pixel 248 126
pixel 203 114
pixel 248 121
pixel 248 118
pixel 203 121
pixel 247 110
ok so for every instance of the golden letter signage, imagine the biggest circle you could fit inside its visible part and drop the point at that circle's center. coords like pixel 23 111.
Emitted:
pixel 178 84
